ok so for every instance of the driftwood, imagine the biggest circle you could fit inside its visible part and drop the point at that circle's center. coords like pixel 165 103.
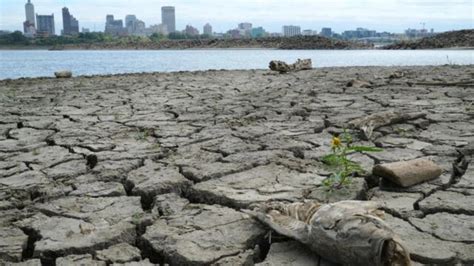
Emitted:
pixel 283 67
pixel 369 123
pixel 346 232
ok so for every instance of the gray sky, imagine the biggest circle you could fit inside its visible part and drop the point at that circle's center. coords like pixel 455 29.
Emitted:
pixel 381 15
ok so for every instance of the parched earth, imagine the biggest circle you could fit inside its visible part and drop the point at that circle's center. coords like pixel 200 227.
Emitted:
pixel 155 168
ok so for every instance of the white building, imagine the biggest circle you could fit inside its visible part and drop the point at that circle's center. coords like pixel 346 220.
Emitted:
pixel 290 30
pixel 207 29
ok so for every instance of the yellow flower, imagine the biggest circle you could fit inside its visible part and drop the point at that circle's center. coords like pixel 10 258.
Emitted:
pixel 336 142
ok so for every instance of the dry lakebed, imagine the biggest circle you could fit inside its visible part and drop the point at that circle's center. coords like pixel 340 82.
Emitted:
pixel 151 168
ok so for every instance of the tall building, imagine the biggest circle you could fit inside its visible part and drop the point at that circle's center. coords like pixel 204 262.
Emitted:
pixel 168 18
pixel 70 23
pixel 290 30
pixel 191 31
pixel 29 24
pixel 45 25
pixel 114 27
pixel 130 23
pixel 207 29
pixel 30 13
pixel 326 32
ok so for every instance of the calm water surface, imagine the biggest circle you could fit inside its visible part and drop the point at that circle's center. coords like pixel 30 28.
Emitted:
pixel 39 63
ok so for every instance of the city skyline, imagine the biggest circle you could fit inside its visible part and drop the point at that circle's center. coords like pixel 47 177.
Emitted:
pixel 270 14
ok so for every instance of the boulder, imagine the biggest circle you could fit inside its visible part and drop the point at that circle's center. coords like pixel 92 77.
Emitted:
pixel 63 74
pixel 408 173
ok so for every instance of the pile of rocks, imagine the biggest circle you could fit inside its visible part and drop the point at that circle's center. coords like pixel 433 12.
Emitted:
pixel 452 39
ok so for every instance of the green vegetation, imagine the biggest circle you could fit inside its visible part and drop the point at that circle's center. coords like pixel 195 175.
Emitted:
pixel 343 168
pixel 17 38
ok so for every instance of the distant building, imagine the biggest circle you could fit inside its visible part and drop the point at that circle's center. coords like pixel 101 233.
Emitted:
pixel 246 26
pixel 85 30
pixel 29 26
pixel 191 31
pixel 207 29
pixel 159 29
pixel 168 18
pixel 134 26
pixel 290 30
pixel 114 27
pixel 359 33
pixel 258 32
pixel 70 23
pixel 326 32
pixel 45 25
pixel 235 34
pixel 4 32
pixel 308 33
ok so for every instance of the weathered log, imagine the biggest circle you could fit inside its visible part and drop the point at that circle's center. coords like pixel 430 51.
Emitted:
pixel 283 67
pixel 346 232
pixel 369 123
pixel 63 74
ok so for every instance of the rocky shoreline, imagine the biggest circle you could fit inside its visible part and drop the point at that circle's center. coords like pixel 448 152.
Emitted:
pixel 154 168
pixel 453 39
pixel 293 43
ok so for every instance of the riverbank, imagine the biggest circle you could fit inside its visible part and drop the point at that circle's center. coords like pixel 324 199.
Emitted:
pixel 158 165
pixel 463 39
pixel 289 43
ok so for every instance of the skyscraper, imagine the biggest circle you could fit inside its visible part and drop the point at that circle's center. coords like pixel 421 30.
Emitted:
pixel 29 24
pixel 207 29
pixel 30 13
pixel 168 18
pixel 45 25
pixel 70 23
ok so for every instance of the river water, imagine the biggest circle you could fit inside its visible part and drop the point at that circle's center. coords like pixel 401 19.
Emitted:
pixel 39 63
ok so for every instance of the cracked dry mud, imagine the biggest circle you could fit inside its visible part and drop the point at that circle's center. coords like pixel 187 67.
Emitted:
pixel 145 169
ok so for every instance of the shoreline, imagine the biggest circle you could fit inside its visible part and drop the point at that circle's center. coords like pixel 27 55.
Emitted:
pixel 49 48
pixel 133 74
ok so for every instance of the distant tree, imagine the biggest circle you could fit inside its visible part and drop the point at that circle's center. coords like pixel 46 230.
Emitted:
pixel 156 37
pixel 14 38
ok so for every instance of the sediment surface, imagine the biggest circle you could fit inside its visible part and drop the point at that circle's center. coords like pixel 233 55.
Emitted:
pixel 155 168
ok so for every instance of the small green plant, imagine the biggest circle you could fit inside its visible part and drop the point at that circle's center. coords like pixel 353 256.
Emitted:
pixel 144 134
pixel 343 168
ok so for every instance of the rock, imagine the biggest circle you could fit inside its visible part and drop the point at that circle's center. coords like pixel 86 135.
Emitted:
pixel 290 253
pixel 120 253
pixel 446 226
pixel 169 204
pixel 63 74
pixel 408 173
pixel 79 260
pixel 12 243
pixel 283 67
pixel 145 262
pixel 423 247
pixel 202 234
pixel 153 179
pixel 356 83
pixel 62 236
pixel 33 262
pixel 245 258
pixel 99 189
pixel 396 203
pixel 448 201
pixel 260 184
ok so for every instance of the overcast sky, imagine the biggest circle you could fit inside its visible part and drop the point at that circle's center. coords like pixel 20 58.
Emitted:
pixel 381 15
